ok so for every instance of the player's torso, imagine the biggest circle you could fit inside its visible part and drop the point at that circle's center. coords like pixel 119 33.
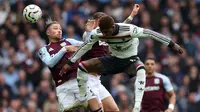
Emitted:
pixel 121 45
pixel 53 48
pixel 154 95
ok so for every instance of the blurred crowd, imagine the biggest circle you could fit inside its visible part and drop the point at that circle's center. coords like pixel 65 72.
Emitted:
pixel 26 84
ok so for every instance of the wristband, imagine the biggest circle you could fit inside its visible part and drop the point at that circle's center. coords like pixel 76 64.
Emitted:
pixel 69 62
pixel 171 106
pixel 171 44
pixel 130 18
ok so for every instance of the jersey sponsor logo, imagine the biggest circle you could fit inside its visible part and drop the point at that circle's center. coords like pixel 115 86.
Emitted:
pixel 120 48
pixel 156 81
pixel 63 44
pixel 50 49
pixel 152 88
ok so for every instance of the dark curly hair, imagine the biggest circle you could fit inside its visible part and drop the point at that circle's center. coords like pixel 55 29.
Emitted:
pixel 106 22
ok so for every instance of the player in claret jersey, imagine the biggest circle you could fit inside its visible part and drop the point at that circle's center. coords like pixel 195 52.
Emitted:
pixel 123 44
pixel 99 49
pixel 54 55
pixel 157 86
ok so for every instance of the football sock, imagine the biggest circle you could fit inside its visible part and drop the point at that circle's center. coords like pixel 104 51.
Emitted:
pixel 82 78
pixel 139 86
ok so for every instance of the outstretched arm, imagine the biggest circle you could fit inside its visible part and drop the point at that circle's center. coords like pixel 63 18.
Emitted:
pixel 145 33
pixel 133 14
pixel 52 60
pixel 86 46
pixel 49 60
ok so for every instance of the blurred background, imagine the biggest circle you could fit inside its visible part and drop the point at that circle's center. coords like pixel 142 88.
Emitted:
pixel 26 84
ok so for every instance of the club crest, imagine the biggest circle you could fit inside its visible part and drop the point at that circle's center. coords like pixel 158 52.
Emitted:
pixel 63 44
pixel 156 81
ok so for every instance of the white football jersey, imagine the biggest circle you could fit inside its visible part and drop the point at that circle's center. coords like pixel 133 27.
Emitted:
pixel 123 44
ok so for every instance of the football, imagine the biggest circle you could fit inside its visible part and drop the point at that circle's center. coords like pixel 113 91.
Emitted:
pixel 32 13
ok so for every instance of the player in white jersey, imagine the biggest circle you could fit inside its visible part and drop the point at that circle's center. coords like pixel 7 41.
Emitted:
pixel 123 43
pixel 100 49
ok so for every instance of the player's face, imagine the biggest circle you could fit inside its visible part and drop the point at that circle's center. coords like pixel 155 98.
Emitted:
pixel 54 31
pixel 150 66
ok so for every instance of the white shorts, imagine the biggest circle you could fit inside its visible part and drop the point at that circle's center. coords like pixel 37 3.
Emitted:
pixel 68 94
pixel 99 90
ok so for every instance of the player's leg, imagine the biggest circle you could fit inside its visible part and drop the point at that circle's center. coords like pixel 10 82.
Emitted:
pixel 93 101
pixel 66 96
pixel 139 82
pixel 108 64
pixel 107 100
pixel 102 93
pixel 85 67
pixel 105 65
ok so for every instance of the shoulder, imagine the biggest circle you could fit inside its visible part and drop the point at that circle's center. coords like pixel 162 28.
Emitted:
pixel 42 51
pixel 42 48
pixel 126 25
pixel 163 77
pixel 73 41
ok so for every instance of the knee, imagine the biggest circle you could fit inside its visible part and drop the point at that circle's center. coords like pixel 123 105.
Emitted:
pixel 82 66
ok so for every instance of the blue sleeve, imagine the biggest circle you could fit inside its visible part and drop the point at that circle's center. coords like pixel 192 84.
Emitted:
pixel 74 42
pixel 50 60
pixel 166 82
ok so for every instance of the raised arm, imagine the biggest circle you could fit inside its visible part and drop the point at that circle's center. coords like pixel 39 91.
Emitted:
pixel 133 14
pixel 138 32
pixel 52 60
pixel 74 42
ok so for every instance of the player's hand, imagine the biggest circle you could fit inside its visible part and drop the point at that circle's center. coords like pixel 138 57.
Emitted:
pixel 71 48
pixel 135 10
pixel 64 70
pixel 89 26
pixel 168 110
pixel 177 48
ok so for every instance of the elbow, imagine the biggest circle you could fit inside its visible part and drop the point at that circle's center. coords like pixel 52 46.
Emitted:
pixel 50 64
pixel 174 96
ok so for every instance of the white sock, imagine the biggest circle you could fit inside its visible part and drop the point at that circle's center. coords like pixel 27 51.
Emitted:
pixel 82 78
pixel 139 87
